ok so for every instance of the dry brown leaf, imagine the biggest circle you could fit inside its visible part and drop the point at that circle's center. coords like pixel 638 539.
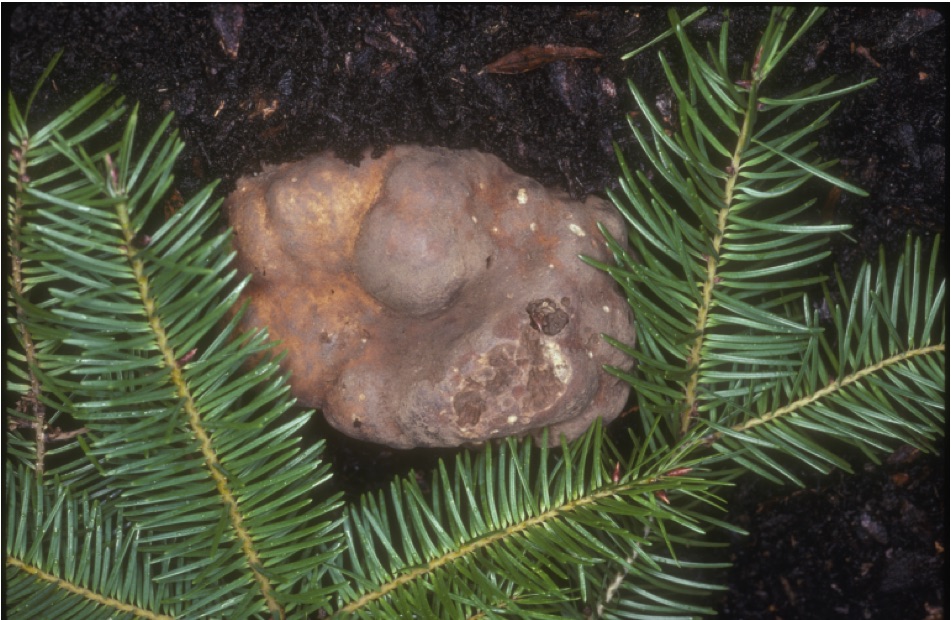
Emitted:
pixel 535 56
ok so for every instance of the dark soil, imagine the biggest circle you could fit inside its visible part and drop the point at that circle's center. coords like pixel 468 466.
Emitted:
pixel 251 84
pixel 862 546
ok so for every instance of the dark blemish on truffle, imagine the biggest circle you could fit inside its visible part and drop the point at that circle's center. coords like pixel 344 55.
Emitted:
pixel 545 316
pixel 468 407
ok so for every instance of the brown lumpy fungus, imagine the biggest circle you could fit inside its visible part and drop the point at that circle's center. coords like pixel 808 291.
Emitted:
pixel 432 297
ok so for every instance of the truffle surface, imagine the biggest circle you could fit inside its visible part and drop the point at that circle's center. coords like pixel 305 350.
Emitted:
pixel 432 297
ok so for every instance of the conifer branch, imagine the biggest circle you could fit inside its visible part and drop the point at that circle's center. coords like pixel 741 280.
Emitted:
pixel 210 472
pixel 836 385
pixel 487 541
pixel 614 585
pixel 706 296
pixel 30 403
pixel 182 389
pixel 94 597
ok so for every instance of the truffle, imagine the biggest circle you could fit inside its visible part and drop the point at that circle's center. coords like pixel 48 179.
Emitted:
pixel 432 297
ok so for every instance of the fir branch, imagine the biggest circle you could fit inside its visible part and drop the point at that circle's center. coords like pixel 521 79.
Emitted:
pixel 29 151
pixel 184 392
pixel 579 516
pixel 95 598
pixel 66 555
pixel 712 260
pixel 730 352
pixel 836 385
pixel 32 401
pixel 138 344
pixel 737 164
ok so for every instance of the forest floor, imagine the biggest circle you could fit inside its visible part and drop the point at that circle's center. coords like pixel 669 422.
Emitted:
pixel 256 84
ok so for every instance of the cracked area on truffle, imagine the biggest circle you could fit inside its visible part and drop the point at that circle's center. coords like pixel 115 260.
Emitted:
pixel 523 379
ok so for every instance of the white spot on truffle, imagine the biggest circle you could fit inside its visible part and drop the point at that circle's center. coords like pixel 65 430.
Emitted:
pixel 522 196
pixel 558 361
pixel 550 266
pixel 605 308
pixel 576 230
pixel 533 227
pixel 362 397
pixel 495 229
pixel 475 220
pixel 512 419
pixel 591 355
pixel 293 179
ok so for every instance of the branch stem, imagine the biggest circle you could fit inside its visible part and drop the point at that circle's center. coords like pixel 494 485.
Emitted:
pixel 177 378
pixel 72 588
pixel 835 386
pixel 505 533
pixel 29 349
pixel 706 295
pixel 615 584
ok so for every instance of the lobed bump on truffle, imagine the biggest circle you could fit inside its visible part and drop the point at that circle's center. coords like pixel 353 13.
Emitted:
pixel 432 297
